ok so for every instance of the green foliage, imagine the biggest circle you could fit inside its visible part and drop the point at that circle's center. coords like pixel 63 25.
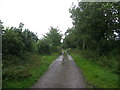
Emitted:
pixel 11 42
pixel 43 47
pixel 53 37
pixel 16 42
pixel 69 41
pixel 95 25
pixel 25 75
pixel 51 42
pixel 29 39
pixel 21 66
pixel 95 32
pixel 96 76
pixel 109 61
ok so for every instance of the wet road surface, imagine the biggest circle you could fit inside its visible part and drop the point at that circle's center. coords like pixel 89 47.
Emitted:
pixel 62 73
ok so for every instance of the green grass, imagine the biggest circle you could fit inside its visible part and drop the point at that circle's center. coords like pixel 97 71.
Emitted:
pixel 24 76
pixel 96 76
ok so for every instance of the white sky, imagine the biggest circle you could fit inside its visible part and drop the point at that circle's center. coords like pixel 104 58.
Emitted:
pixel 37 15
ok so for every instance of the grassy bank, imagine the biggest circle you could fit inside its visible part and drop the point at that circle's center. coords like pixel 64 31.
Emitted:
pixel 96 76
pixel 25 75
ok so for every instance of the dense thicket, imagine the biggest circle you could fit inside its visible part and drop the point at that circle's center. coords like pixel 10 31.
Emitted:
pixel 96 29
pixel 17 43
pixel 16 40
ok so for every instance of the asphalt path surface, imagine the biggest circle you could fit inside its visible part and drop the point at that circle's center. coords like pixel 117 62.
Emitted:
pixel 62 73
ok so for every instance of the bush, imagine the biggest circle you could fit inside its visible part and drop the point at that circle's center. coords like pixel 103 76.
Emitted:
pixel 109 61
pixel 43 47
pixel 11 42
pixel 25 75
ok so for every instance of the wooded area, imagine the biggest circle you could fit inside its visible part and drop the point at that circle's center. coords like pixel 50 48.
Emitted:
pixel 18 42
pixel 96 32
pixel 22 51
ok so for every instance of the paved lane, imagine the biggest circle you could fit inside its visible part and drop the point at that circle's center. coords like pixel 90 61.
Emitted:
pixel 62 73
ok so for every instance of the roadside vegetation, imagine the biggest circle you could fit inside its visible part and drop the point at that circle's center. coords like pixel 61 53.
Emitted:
pixel 95 75
pixel 25 57
pixel 25 75
pixel 95 39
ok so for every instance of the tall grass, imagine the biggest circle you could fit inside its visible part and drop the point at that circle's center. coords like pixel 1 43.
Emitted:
pixel 109 61
pixel 25 75
pixel 96 76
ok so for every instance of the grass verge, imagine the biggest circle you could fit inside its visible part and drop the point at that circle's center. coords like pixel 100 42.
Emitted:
pixel 95 75
pixel 24 76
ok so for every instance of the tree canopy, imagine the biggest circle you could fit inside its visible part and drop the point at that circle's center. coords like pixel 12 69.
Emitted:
pixel 97 24
pixel 51 41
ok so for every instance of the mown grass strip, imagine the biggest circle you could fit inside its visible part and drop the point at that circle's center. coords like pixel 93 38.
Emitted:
pixel 95 75
pixel 25 76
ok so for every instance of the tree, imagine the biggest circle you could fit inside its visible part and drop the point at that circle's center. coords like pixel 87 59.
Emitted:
pixel 43 47
pixel 11 42
pixel 96 31
pixel 16 41
pixel 70 40
pixel 95 23
pixel 21 26
pixel 1 28
pixel 54 36
pixel 51 41
pixel 29 39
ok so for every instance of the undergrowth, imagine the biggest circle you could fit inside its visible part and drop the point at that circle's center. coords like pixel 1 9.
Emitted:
pixel 96 75
pixel 24 75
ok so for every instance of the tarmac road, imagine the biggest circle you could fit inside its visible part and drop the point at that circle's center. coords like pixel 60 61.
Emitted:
pixel 62 73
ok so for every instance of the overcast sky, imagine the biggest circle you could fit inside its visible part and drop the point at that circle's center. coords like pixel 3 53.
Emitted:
pixel 37 15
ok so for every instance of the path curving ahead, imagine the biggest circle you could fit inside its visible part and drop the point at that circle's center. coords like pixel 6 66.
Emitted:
pixel 62 73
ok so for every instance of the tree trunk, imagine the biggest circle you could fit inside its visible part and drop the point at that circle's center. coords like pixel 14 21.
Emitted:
pixel 83 44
